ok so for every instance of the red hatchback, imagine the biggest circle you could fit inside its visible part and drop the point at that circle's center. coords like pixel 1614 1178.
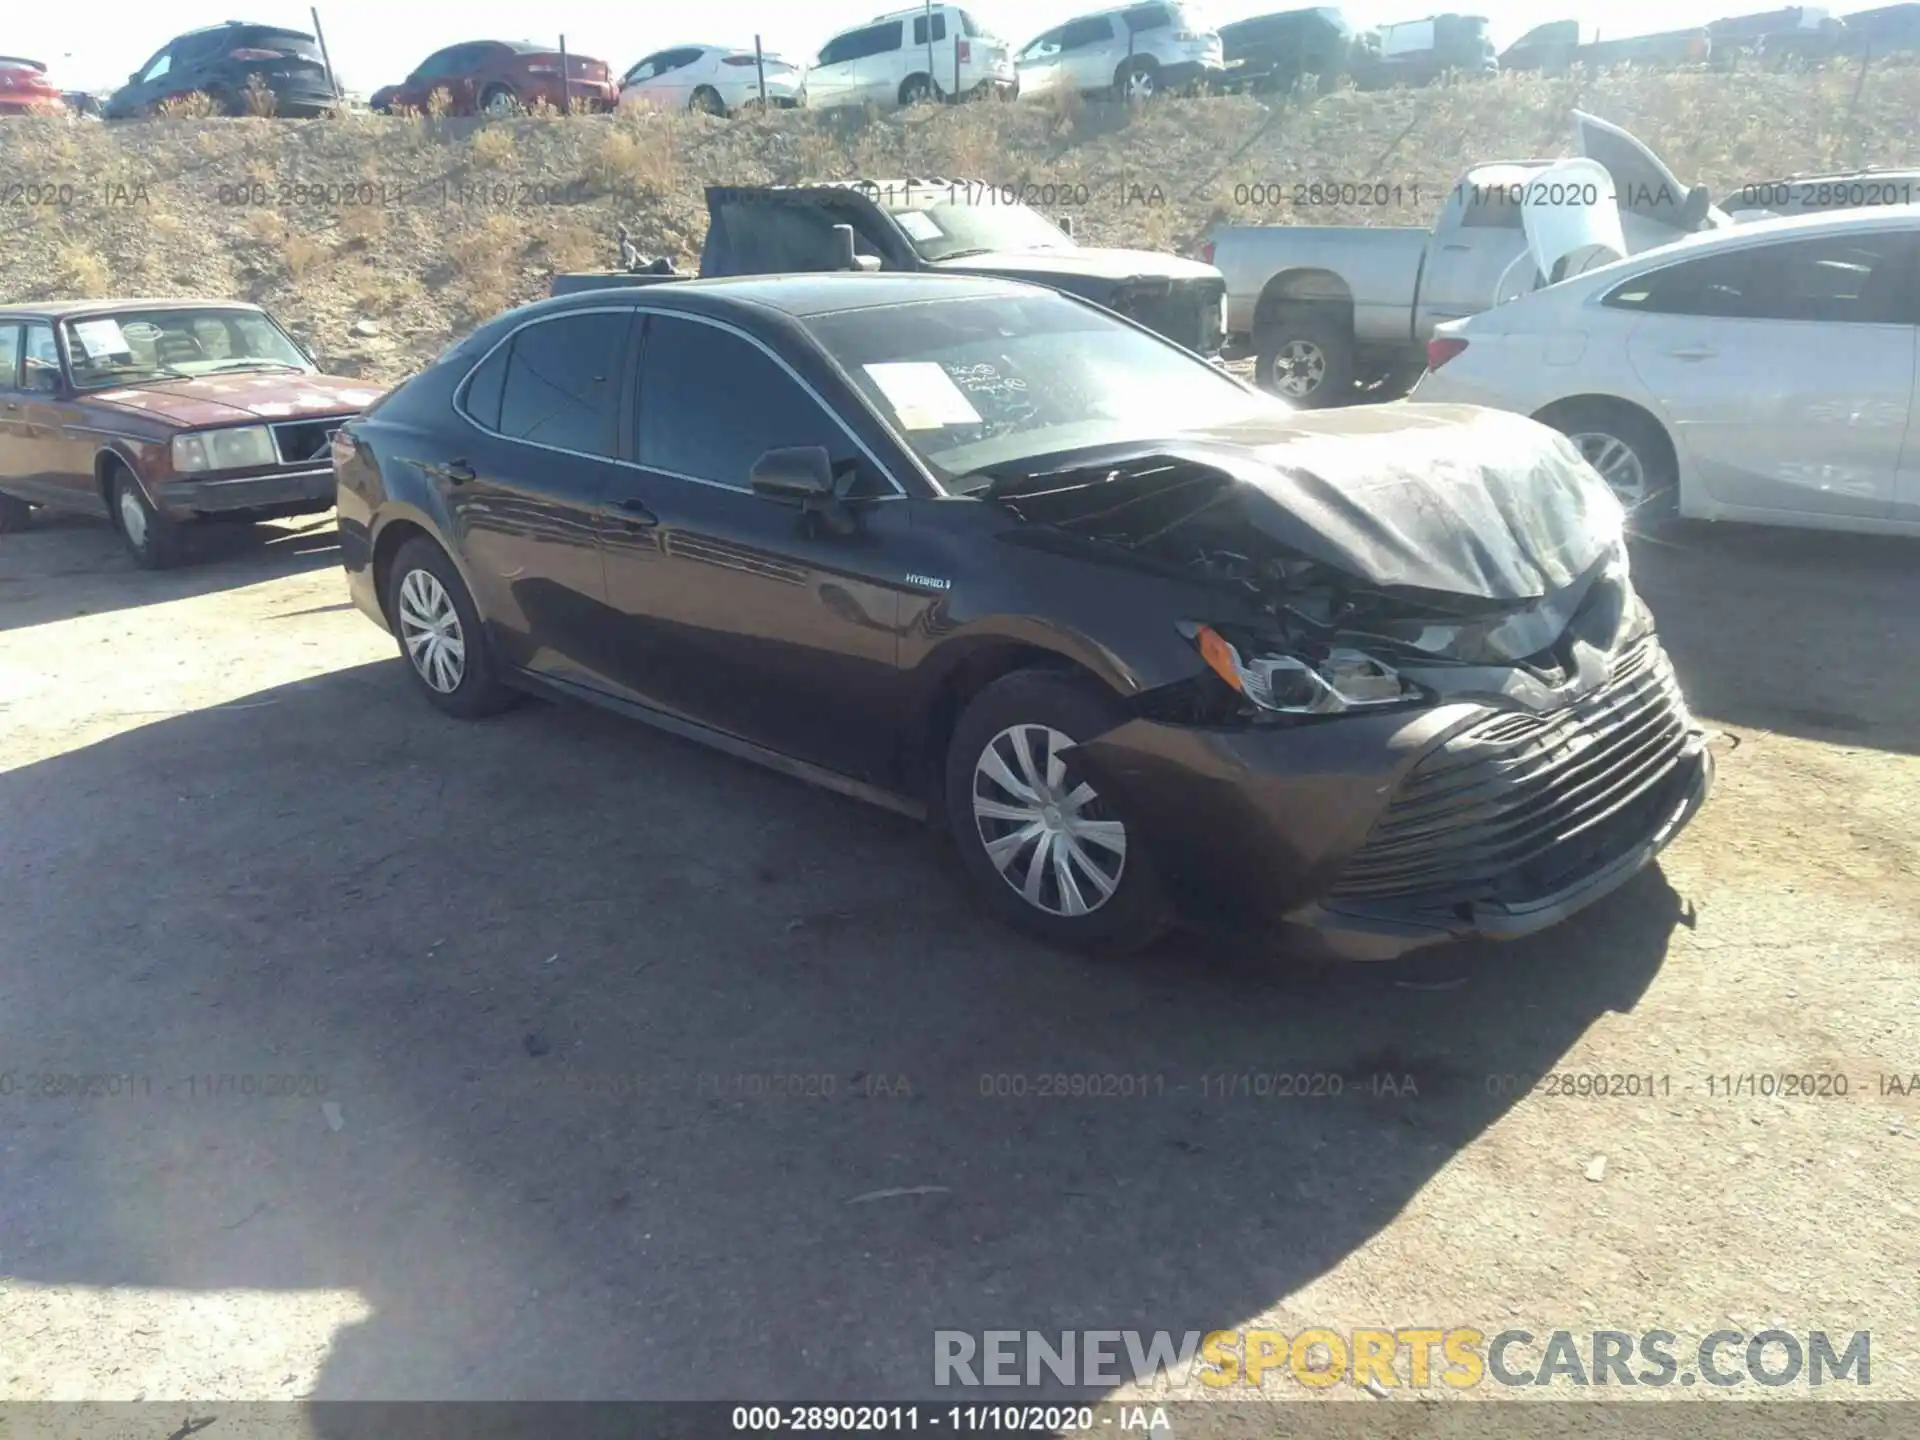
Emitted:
pixel 502 77
pixel 25 89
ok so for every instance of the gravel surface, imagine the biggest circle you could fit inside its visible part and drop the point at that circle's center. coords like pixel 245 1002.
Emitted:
pixel 533 979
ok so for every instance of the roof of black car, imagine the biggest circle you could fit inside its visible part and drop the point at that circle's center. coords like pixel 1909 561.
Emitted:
pixel 814 294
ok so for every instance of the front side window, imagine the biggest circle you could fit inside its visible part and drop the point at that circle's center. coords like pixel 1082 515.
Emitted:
pixel 128 346
pixel 988 382
pixel 158 68
pixel 712 403
pixel 1846 279
pixel 561 383
pixel 1042 46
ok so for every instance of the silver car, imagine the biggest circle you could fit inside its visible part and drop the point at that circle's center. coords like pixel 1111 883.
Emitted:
pixel 1134 53
pixel 1764 373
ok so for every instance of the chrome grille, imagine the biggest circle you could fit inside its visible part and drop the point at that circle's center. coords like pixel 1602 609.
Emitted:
pixel 1522 805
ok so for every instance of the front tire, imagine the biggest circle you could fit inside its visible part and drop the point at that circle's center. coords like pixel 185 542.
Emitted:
pixel 15 515
pixel 154 541
pixel 1305 359
pixel 1047 852
pixel 441 635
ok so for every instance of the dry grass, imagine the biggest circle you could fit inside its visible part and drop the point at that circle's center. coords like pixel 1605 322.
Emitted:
pixel 257 99
pixel 196 106
pixel 432 263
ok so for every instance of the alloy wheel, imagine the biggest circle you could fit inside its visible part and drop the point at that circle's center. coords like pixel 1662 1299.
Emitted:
pixel 1140 85
pixel 1299 367
pixel 1617 463
pixel 1053 844
pixel 501 104
pixel 430 629
pixel 133 517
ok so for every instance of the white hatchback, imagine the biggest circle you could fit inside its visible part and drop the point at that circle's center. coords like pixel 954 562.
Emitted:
pixel 1764 373
pixel 718 79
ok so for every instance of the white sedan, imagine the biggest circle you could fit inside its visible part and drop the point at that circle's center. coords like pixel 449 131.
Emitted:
pixel 717 79
pixel 1764 373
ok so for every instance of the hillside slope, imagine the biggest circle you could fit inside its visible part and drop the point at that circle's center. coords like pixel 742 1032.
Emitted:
pixel 380 239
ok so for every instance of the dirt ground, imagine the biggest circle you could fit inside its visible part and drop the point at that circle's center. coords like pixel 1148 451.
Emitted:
pixel 534 981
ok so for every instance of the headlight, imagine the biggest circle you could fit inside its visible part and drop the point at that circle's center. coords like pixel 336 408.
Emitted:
pixel 1342 680
pixel 240 448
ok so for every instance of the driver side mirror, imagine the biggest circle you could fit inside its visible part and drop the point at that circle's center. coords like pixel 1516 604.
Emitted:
pixel 1693 210
pixel 793 472
pixel 849 254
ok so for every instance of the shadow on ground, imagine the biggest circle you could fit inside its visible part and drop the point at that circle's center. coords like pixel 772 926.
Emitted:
pixel 67 566
pixel 552 971
pixel 1802 632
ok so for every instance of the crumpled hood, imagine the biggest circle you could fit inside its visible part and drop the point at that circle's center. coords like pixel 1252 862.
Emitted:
pixel 1093 261
pixel 1446 499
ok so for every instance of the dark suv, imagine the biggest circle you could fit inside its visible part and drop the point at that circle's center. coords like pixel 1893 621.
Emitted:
pixel 225 62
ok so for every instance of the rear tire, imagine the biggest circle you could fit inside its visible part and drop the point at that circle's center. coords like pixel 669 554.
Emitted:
pixel 442 637
pixel 499 103
pixel 706 101
pixel 1305 359
pixel 15 515
pixel 154 541
pixel 916 90
pixel 1046 852
pixel 1137 81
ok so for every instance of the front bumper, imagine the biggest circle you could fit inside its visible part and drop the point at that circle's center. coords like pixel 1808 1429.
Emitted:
pixel 1368 836
pixel 286 493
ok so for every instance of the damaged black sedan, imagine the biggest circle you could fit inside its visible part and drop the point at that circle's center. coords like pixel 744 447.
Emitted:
pixel 1150 645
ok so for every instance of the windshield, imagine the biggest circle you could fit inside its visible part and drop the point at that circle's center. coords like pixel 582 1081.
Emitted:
pixel 949 228
pixel 147 344
pixel 989 382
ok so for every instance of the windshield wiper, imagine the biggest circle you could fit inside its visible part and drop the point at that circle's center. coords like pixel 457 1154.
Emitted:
pixel 965 254
pixel 226 365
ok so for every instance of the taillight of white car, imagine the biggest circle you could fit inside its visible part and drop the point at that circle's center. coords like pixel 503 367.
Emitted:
pixel 1443 348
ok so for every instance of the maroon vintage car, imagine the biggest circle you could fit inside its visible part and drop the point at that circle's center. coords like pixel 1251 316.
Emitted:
pixel 502 77
pixel 157 413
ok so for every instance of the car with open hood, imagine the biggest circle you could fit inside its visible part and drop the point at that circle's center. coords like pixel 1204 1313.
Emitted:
pixel 156 414
pixel 1150 644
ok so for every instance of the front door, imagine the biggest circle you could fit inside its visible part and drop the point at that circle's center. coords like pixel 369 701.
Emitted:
pixel 542 423
pixel 56 430
pixel 1786 371
pixel 737 610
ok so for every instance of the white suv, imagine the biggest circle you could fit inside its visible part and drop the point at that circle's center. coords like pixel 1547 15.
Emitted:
pixel 1135 53
pixel 908 56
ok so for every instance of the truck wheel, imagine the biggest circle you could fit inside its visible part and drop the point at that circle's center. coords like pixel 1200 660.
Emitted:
pixel 916 90
pixel 1306 359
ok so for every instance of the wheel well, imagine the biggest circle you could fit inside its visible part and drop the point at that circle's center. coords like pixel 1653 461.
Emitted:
pixel 396 534
pixel 922 77
pixel 105 466
pixel 1294 292
pixel 977 670
pixel 1613 405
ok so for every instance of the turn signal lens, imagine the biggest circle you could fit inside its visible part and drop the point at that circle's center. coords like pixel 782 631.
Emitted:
pixel 1219 656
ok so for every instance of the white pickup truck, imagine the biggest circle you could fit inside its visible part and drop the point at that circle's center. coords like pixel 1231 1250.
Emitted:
pixel 1324 306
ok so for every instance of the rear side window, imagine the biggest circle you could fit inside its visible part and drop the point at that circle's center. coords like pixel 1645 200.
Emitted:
pixel 711 403
pixel 481 398
pixel 1718 286
pixel 9 356
pixel 1079 34
pixel 559 385
pixel 920 28
pixel 1147 17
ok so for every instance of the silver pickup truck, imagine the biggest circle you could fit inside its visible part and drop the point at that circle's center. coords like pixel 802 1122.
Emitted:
pixel 1323 307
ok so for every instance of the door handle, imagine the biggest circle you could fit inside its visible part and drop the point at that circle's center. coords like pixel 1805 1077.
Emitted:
pixel 1693 352
pixel 458 471
pixel 634 513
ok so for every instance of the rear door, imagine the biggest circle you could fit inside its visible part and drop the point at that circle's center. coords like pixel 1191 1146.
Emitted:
pixel 541 446
pixel 1786 371
pixel 59 447
pixel 736 610
pixel 1090 53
